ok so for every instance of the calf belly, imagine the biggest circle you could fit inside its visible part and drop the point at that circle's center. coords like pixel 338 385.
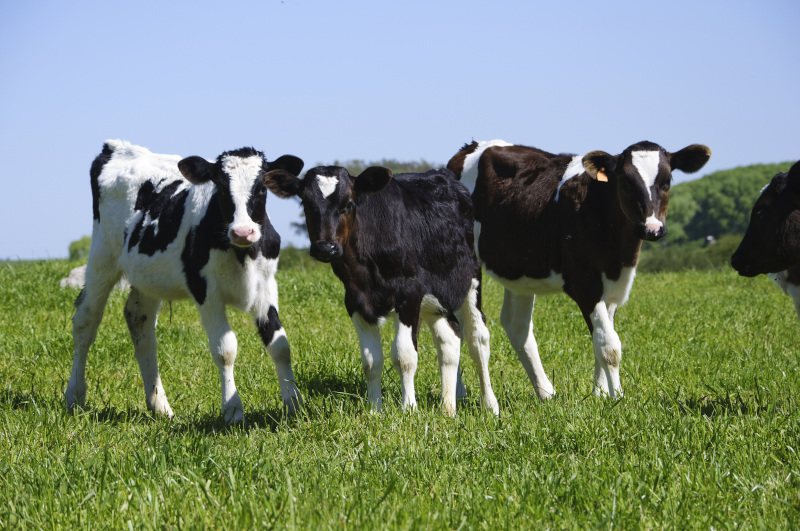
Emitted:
pixel 531 286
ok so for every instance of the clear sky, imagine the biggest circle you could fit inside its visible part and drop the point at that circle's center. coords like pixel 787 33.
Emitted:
pixel 328 80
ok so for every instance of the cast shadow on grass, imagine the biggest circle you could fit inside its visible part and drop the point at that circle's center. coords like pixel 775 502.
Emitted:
pixel 731 404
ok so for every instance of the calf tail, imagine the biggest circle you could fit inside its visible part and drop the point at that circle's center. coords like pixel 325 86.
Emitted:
pixel 94 173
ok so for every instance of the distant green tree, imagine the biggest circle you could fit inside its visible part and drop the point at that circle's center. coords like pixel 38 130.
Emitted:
pixel 79 249
pixel 718 203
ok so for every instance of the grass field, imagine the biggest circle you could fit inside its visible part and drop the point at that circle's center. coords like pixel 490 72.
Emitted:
pixel 707 435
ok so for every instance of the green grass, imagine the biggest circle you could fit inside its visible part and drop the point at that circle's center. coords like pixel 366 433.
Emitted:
pixel 707 435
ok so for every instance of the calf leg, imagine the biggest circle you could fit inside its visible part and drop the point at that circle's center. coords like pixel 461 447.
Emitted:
pixel 274 338
pixel 404 360
pixel 223 345
pixel 89 307
pixel 516 318
pixel 141 314
pixel 607 351
pixel 448 347
pixel 477 335
pixel 369 338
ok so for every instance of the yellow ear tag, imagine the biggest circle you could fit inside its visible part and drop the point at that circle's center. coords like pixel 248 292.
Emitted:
pixel 601 176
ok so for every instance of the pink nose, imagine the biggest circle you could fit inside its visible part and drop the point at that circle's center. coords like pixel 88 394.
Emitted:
pixel 653 226
pixel 243 235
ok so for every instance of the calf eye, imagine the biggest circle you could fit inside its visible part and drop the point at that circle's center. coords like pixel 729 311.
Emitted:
pixel 347 208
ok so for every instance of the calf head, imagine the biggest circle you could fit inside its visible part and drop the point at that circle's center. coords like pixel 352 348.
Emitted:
pixel 772 241
pixel 642 175
pixel 329 195
pixel 241 194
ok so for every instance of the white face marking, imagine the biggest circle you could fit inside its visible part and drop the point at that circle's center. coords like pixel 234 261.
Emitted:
pixel 242 172
pixel 469 173
pixel 646 163
pixel 653 223
pixel 574 168
pixel 327 184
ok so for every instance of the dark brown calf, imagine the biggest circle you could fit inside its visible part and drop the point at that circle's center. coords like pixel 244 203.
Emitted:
pixel 548 223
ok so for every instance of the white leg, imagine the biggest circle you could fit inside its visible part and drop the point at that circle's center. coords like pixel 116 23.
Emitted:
pixel 369 338
pixel 448 347
pixel 89 307
pixel 474 331
pixel 274 337
pixel 141 314
pixel 516 320
pixel 607 353
pixel 404 360
pixel 223 345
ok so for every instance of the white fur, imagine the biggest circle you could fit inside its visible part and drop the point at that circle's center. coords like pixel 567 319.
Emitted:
pixel 792 290
pixel 243 172
pixel 574 168
pixel 250 287
pixel 447 343
pixel 653 223
pixel 404 360
pixel 327 184
pixel 476 227
pixel 532 286
pixel 516 320
pixel 607 352
pixel 369 339
pixel 469 174
pixel 646 163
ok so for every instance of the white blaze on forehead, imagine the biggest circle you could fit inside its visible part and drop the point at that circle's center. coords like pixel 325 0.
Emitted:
pixel 646 163
pixel 242 171
pixel 327 184
pixel 574 168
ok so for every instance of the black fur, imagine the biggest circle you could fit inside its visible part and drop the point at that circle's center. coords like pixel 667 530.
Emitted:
pixel 412 238
pixel 268 327
pixel 94 174
pixel 162 213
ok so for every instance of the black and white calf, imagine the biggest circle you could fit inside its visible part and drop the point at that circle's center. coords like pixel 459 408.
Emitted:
pixel 206 237
pixel 772 241
pixel 401 245
pixel 548 223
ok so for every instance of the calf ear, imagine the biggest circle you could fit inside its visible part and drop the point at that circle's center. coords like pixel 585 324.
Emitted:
pixel 197 170
pixel 281 182
pixel 599 165
pixel 290 163
pixel 690 159
pixel 373 179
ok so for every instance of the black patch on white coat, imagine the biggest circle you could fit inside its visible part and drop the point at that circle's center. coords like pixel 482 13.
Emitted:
pixel 162 213
pixel 267 327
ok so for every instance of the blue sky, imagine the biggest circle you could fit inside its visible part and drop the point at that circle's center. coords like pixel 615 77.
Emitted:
pixel 366 79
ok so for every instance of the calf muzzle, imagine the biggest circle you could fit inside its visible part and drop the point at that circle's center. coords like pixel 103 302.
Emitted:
pixel 743 266
pixel 325 251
